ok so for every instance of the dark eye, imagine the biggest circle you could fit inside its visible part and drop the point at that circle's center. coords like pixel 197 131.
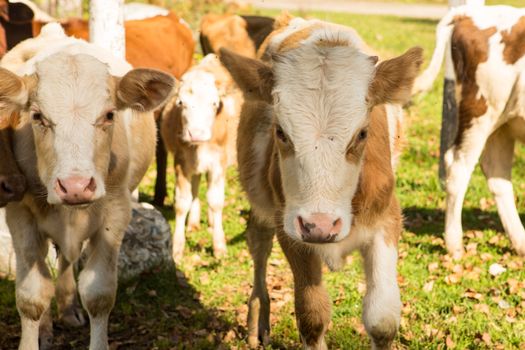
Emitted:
pixel 280 134
pixel 179 103
pixel 37 116
pixel 363 134
pixel 110 116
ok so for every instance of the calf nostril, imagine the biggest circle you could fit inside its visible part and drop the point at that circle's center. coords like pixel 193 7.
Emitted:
pixel 92 186
pixel 6 187
pixel 61 186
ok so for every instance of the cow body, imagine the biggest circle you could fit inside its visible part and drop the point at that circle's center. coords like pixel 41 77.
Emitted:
pixel 241 34
pixel 199 127
pixel 486 54
pixel 82 150
pixel 315 151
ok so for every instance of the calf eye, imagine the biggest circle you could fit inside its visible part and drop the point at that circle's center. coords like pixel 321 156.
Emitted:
pixel 279 133
pixel 363 134
pixel 37 116
pixel 110 116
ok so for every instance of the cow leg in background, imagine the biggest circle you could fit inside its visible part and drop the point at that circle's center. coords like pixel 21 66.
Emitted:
pixel 496 163
pixel 449 124
pixel 183 199
pixel 215 198
pixel 260 240
pixel 312 303
pixel 194 217
pixel 45 335
pixel 34 286
pixel 382 303
pixel 460 161
pixel 161 159
pixel 69 309
pixel 98 279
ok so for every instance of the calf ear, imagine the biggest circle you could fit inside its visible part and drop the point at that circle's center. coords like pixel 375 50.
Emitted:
pixel 14 91
pixel 144 89
pixel 254 77
pixel 394 78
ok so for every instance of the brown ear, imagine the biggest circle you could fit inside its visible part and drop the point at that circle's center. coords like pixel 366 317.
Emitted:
pixel 394 78
pixel 14 90
pixel 144 89
pixel 253 77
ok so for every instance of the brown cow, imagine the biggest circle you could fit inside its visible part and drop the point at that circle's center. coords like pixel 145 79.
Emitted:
pixel 241 34
pixel 315 149
pixel 485 78
pixel 197 127
pixel 85 140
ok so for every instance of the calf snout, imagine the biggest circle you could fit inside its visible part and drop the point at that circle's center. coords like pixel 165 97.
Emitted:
pixel 12 188
pixel 199 135
pixel 318 228
pixel 76 189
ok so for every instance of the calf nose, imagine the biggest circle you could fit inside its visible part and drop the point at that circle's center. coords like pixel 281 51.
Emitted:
pixel 319 228
pixel 12 187
pixel 75 189
pixel 197 135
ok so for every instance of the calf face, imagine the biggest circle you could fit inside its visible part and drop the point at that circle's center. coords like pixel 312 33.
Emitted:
pixel 199 101
pixel 321 96
pixel 71 103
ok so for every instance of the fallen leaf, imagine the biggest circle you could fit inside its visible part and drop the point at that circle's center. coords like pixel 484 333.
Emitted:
pixel 428 286
pixel 450 343
pixel 496 269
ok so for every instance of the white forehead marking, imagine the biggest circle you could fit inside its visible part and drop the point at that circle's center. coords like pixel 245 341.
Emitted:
pixel 321 89
pixel 72 86
pixel 199 84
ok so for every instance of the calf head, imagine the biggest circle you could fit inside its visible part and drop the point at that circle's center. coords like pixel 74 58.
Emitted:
pixel 322 95
pixel 71 103
pixel 199 102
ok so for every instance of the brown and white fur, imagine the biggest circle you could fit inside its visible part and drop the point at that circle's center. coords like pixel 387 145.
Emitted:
pixel 315 158
pixel 485 53
pixel 198 127
pixel 85 139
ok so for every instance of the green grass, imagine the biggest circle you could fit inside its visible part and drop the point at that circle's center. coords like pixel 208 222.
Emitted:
pixel 202 303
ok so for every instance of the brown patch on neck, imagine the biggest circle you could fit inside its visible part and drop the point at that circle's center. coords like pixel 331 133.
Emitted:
pixel 293 40
pixel 514 41
pixel 470 48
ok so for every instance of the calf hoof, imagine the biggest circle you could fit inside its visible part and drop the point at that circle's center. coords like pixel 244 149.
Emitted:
pixel 320 345
pixel 73 316
pixel 383 334
pixel 520 247
pixel 255 340
pixel 456 252
pixel 220 251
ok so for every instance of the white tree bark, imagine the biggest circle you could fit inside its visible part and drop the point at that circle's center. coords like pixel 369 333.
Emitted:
pixel 106 25
pixel 454 3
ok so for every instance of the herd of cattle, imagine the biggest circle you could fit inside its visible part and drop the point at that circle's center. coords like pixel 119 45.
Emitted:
pixel 305 109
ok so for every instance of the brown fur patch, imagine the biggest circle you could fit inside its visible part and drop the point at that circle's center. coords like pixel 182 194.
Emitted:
pixel 293 40
pixel 514 41
pixel 470 48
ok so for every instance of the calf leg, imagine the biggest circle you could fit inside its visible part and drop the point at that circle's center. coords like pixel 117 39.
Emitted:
pixel 215 198
pixel 34 287
pixel 382 304
pixel 183 199
pixel 496 163
pixel 461 160
pixel 312 304
pixel 45 338
pixel 69 309
pixel 194 218
pixel 98 279
pixel 259 238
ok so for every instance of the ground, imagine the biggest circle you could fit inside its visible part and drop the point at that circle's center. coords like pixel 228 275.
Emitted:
pixel 201 304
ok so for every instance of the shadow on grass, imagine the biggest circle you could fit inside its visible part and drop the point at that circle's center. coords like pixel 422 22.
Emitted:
pixel 156 310
pixel 420 21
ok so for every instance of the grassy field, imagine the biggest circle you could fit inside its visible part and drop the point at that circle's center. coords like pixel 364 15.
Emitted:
pixel 201 304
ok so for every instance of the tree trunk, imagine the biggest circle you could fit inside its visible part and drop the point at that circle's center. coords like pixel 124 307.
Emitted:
pixel 106 25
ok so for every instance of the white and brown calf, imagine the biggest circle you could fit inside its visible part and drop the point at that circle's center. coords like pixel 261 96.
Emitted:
pixel 484 77
pixel 315 159
pixel 85 139
pixel 197 128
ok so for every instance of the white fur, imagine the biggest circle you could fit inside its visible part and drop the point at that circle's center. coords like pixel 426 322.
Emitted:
pixel 320 96
pixel 138 11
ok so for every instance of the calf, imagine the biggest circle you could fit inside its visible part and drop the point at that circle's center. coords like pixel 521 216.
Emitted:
pixel 315 147
pixel 85 139
pixel 241 34
pixel 486 48
pixel 196 128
